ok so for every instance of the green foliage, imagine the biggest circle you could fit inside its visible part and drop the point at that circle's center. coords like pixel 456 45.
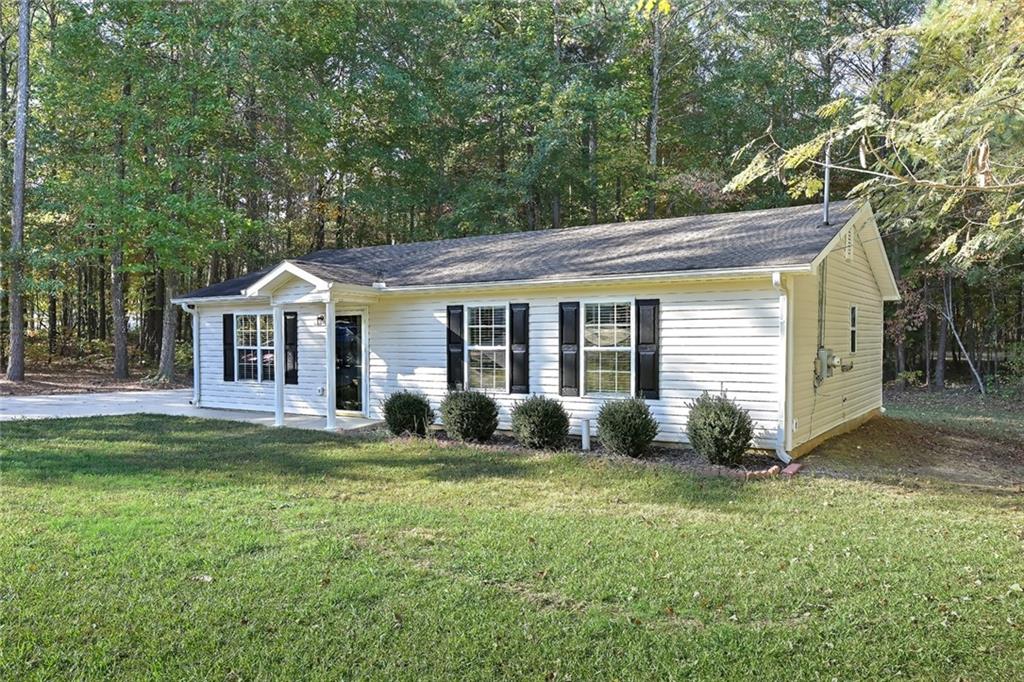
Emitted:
pixel 937 140
pixel 910 377
pixel 540 422
pixel 407 413
pixel 719 429
pixel 626 427
pixel 1013 370
pixel 469 416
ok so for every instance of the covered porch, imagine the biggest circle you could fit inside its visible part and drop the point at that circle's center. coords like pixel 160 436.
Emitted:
pixel 328 387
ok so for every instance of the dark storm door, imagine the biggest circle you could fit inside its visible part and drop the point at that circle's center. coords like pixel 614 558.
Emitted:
pixel 348 361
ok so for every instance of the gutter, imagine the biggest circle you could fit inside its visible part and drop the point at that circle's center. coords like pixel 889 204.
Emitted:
pixel 783 360
pixel 716 273
pixel 382 288
pixel 197 383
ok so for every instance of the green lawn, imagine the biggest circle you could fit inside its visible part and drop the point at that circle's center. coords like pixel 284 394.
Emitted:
pixel 960 409
pixel 166 547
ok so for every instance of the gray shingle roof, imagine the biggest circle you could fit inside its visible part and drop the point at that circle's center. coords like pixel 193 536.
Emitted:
pixel 747 239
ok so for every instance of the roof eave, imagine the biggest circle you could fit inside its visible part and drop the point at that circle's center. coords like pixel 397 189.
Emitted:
pixel 192 300
pixel 716 273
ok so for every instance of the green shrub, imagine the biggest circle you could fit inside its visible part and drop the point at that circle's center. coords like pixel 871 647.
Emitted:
pixel 626 427
pixel 540 422
pixel 719 429
pixel 469 416
pixel 407 413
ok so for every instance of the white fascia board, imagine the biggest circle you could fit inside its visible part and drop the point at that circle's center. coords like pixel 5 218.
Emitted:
pixel 375 293
pixel 723 273
pixel 858 218
pixel 877 258
pixel 285 267
pixel 217 299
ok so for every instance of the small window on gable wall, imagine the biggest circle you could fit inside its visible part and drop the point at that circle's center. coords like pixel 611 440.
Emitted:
pixel 848 248
pixel 853 329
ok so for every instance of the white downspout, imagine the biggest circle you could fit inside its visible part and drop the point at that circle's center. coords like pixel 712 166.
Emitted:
pixel 783 358
pixel 197 390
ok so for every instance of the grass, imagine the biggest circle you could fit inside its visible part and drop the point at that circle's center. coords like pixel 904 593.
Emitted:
pixel 961 409
pixel 171 548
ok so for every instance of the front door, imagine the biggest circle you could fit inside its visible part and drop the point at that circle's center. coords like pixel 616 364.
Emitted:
pixel 348 361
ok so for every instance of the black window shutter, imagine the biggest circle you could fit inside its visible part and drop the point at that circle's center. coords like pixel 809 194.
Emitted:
pixel 519 348
pixel 456 380
pixel 229 347
pixel 291 348
pixel 647 348
pixel 569 348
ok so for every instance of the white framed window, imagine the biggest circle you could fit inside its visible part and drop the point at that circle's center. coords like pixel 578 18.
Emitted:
pixel 853 329
pixel 608 348
pixel 254 347
pixel 487 347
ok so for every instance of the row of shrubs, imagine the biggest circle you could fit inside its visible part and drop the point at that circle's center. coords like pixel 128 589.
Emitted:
pixel 718 428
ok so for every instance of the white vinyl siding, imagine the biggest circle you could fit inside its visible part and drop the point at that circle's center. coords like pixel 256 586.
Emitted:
pixel 846 395
pixel 300 398
pixel 714 336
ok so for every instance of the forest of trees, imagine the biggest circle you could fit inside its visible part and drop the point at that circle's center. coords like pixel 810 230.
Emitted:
pixel 173 144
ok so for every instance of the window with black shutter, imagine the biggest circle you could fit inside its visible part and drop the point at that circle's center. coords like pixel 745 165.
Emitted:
pixel 291 348
pixel 229 346
pixel 569 349
pixel 455 349
pixel 519 348
pixel 647 313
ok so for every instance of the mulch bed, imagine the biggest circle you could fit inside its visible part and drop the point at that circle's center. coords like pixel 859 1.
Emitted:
pixel 755 465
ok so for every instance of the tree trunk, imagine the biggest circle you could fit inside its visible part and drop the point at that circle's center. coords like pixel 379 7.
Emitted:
pixel 117 283
pixel 592 167
pixel 51 318
pixel 120 330
pixel 16 361
pixel 947 312
pixel 939 380
pixel 652 126
pixel 319 220
pixel 926 297
pixel 169 329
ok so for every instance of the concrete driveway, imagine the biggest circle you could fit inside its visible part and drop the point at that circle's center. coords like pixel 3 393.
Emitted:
pixel 170 402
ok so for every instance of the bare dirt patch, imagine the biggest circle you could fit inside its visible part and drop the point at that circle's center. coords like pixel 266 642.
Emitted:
pixel 74 377
pixel 888 448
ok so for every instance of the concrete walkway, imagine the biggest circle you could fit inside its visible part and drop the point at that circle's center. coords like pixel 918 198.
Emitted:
pixel 174 402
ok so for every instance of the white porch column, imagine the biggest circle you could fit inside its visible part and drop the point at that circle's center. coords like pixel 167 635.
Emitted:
pixel 331 395
pixel 197 358
pixel 279 369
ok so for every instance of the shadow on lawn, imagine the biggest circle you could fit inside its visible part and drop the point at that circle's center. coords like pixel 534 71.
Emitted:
pixel 153 450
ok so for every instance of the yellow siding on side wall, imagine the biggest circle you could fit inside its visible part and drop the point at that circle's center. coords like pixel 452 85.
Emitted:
pixel 845 395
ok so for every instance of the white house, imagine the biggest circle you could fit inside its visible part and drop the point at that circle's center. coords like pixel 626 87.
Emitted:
pixel 778 308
